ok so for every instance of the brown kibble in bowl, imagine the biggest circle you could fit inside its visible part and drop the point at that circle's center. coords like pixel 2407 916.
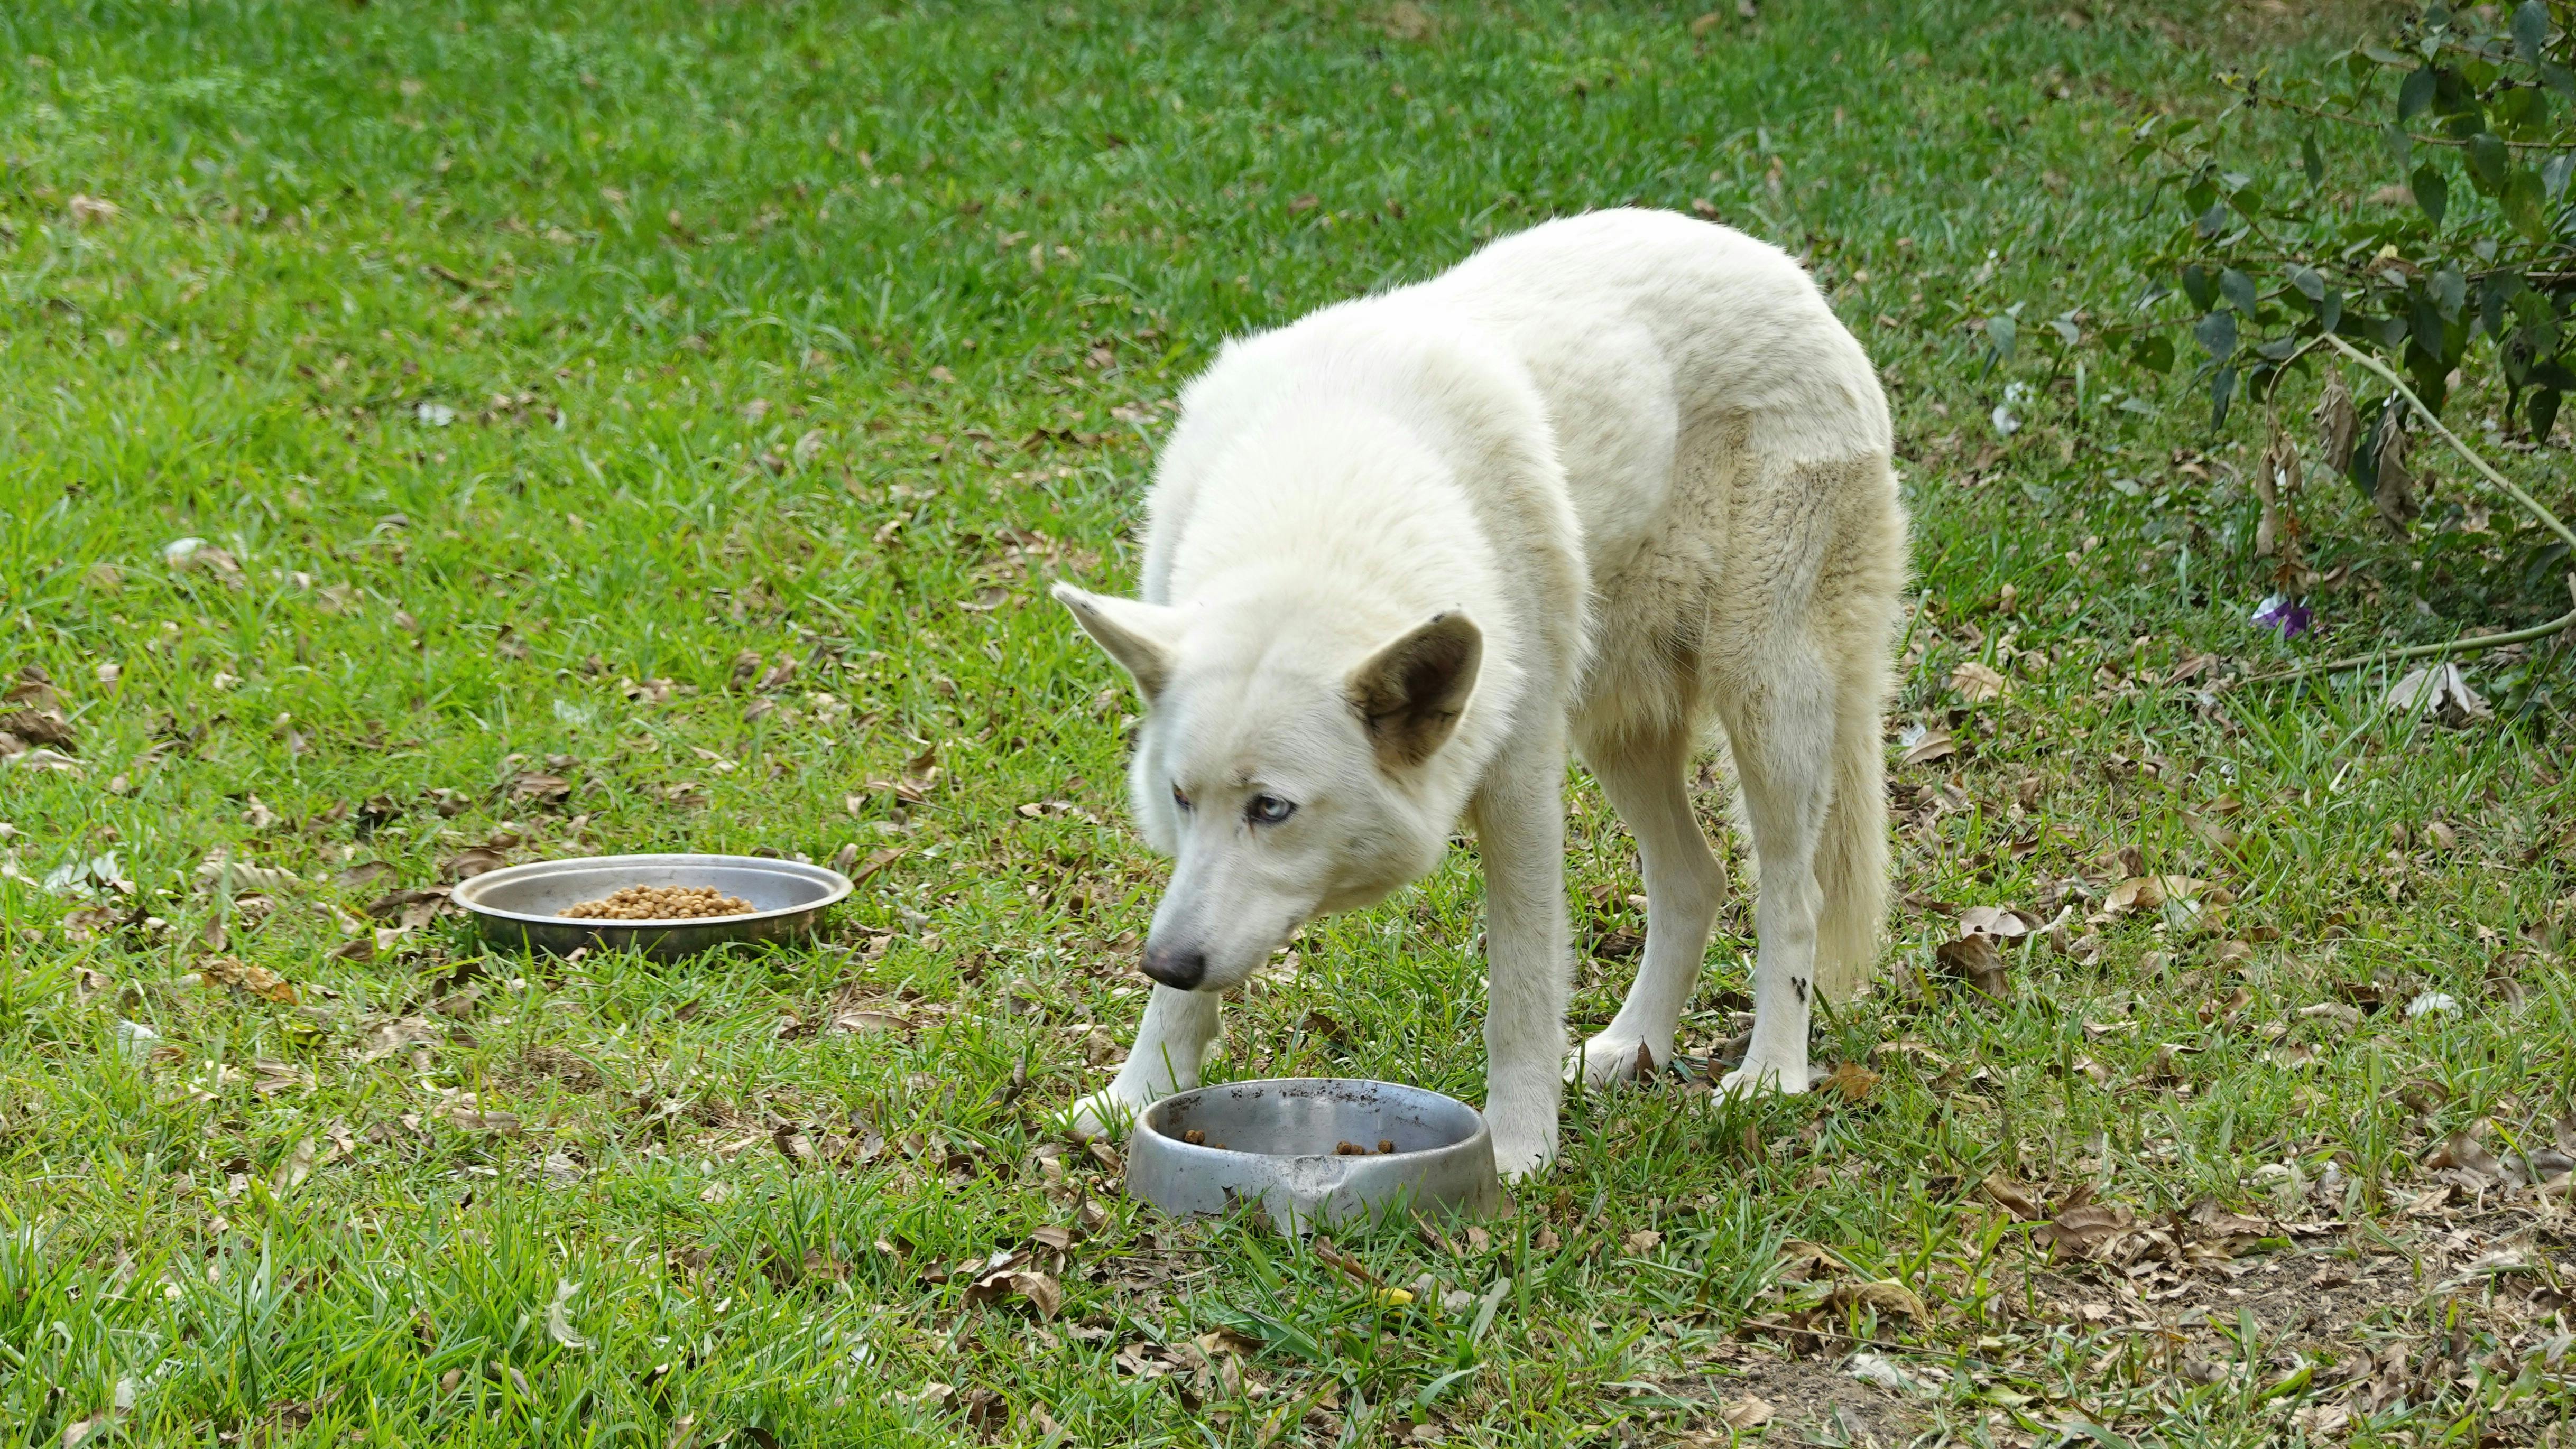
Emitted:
pixel 1194 1137
pixel 1386 1144
pixel 659 903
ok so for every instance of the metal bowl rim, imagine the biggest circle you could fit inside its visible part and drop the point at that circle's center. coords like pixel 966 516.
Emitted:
pixel 1145 1123
pixel 837 888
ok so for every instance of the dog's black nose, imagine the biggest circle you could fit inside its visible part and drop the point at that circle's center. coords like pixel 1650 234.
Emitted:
pixel 1180 970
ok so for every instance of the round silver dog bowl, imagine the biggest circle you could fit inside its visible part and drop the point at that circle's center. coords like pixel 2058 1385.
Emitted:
pixel 518 906
pixel 1274 1142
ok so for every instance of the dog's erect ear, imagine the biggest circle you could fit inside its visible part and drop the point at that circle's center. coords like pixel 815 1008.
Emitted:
pixel 1137 635
pixel 1410 693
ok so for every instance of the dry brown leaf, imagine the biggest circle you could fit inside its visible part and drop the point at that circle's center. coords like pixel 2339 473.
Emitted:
pixel 220 872
pixel 1975 960
pixel 2012 1197
pixel 1041 1291
pixel 2465 1151
pixel 474 1119
pixel 2439 690
pixel 2083 1232
pixel 251 980
pixel 1933 744
pixel 2218 1222
pixel 1802 1262
pixel 1850 1081
pixel 1644 1242
pixel 1885 1295
pixel 2338 422
pixel 2006 922
pixel 541 789
pixel 2393 492
pixel 1976 683
pixel 859 1019
pixel 470 862
pixel 1749 1412
pixel 2276 482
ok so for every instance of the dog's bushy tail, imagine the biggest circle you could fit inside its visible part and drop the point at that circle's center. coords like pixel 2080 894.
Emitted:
pixel 1851 859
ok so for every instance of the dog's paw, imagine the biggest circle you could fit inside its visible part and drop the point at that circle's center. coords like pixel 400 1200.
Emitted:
pixel 1102 1114
pixel 1787 1079
pixel 1519 1153
pixel 1613 1058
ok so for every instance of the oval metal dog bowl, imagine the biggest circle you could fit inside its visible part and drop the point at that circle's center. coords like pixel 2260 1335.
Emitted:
pixel 518 906
pixel 1272 1141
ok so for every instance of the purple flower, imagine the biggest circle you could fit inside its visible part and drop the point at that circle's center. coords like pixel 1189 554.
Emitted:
pixel 2277 612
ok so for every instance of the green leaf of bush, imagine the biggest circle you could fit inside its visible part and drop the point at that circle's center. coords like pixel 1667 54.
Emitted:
pixel 2216 334
pixel 2432 193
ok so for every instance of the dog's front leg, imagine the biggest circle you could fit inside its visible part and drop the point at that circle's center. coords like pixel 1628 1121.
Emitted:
pixel 1177 1028
pixel 1519 815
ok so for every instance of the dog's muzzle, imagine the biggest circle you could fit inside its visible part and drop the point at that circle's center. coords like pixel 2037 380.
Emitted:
pixel 1179 970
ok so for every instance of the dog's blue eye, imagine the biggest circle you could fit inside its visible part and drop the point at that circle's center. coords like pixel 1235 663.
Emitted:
pixel 1269 809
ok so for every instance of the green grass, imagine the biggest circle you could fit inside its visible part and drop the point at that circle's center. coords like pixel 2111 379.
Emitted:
pixel 520 356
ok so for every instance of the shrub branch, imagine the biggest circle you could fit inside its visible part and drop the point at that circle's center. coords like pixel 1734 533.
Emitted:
pixel 2511 489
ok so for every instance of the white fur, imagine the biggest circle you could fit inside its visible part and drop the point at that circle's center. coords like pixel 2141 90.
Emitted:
pixel 1642 457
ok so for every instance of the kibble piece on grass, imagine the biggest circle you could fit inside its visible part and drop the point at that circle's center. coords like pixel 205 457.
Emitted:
pixel 660 903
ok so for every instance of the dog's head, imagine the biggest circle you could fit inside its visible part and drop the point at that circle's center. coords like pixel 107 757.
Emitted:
pixel 1287 773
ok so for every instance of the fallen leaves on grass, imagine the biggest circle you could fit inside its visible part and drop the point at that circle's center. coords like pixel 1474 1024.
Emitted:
pixel 1880 1371
pixel 559 1319
pixel 366 875
pixel 410 910
pixel 98 875
pixel 219 871
pixel 474 860
pixel 256 981
pixel 464 1112
pixel 2088 1230
pixel 1977 683
pixel 195 555
pixel 541 789
pixel 2013 1197
pixel 1925 744
pixel 35 716
pixel 1974 959
pixel 1749 1412
pixel 1850 1081
pixel 1881 1295
pixel 2439 690
pixel 863 1019
pixel 1007 1277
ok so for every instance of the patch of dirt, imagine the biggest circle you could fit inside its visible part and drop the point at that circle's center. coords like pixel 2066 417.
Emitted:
pixel 555 1064
pixel 1814 1399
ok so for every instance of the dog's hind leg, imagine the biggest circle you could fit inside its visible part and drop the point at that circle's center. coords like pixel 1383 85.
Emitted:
pixel 1645 778
pixel 1169 1046
pixel 1780 727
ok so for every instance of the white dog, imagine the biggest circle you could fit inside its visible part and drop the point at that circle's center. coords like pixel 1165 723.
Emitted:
pixel 1602 481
